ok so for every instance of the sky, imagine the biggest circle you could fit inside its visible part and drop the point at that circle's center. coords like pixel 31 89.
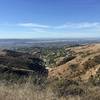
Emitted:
pixel 49 18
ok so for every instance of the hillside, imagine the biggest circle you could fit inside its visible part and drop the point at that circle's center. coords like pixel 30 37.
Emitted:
pixel 20 64
pixel 84 65
pixel 75 63
pixel 73 73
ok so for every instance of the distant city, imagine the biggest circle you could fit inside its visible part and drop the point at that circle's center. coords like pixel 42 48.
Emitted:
pixel 46 42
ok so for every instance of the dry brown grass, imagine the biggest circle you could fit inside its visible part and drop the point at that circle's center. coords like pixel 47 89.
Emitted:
pixel 28 91
pixel 25 91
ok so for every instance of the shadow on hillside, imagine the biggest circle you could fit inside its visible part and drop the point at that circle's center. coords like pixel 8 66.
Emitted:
pixel 17 65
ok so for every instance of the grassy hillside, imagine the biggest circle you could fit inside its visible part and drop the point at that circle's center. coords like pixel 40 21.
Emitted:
pixel 67 73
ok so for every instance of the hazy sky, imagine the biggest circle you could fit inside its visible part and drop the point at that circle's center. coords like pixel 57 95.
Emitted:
pixel 49 18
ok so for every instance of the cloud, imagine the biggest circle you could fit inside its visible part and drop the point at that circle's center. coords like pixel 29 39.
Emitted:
pixel 33 25
pixel 82 25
